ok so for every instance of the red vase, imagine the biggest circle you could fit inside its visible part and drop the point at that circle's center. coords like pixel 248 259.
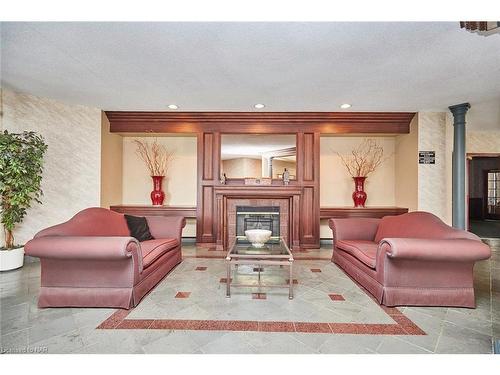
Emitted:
pixel 157 195
pixel 359 195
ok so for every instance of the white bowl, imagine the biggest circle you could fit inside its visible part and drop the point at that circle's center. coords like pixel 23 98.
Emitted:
pixel 258 237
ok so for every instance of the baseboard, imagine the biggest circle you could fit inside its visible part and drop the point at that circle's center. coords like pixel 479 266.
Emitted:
pixel 29 259
pixel 188 241
pixel 326 242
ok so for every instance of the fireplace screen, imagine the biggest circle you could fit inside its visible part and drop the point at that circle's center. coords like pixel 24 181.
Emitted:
pixel 249 217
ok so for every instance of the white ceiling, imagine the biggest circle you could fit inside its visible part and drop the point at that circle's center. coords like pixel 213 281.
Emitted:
pixel 231 66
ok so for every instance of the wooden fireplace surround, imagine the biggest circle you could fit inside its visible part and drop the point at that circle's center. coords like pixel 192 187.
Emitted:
pixel 302 193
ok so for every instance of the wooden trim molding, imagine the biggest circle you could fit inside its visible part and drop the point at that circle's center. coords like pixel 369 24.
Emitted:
pixel 147 210
pixel 370 212
pixel 261 122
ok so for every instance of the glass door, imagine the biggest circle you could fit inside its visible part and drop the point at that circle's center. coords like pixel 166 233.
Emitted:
pixel 493 191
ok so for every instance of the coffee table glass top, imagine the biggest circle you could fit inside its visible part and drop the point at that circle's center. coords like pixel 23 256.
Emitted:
pixel 271 249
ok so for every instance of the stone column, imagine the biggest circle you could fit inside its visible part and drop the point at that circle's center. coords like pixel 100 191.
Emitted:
pixel 458 165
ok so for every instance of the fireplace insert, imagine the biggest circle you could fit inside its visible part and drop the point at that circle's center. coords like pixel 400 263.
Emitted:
pixel 257 217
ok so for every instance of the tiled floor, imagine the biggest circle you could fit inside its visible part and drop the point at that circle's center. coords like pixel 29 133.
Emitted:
pixel 189 313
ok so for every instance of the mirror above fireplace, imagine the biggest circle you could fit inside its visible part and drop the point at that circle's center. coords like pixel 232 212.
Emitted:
pixel 258 155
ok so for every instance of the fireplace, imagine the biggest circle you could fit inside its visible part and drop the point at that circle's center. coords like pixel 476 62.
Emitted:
pixel 281 205
pixel 257 217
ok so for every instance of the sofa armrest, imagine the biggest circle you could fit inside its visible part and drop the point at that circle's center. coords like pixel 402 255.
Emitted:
pixel 166 226
pixel 83 248
pixel 354 228
pixel 451 250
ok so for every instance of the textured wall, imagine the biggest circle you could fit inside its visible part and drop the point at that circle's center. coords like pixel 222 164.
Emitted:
pixel 179 186
pixel 435 181
pixel 71 178
pixel 483 141
pixel 432 181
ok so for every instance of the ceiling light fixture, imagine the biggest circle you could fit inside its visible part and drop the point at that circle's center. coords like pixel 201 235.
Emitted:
pixel 173 106
pixel 259 106
pixel 345 106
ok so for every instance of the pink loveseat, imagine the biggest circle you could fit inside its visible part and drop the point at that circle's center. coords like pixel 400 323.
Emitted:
pixel 92 261
pixel 410 259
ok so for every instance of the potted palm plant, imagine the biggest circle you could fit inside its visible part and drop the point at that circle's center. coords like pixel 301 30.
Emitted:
pixel 21 167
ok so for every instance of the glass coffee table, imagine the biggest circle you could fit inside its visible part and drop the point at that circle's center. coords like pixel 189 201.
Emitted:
pixel 272 254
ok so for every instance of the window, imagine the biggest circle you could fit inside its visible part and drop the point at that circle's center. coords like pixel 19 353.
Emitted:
pixel 493 201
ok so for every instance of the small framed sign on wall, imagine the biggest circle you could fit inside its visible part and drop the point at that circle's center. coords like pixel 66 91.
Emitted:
pixel 427 157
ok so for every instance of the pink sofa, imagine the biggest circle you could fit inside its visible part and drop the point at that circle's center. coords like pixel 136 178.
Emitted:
pixel 410 259
pixel 92 261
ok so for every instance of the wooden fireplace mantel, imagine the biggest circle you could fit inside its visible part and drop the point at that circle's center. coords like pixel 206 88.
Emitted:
pixel 258 190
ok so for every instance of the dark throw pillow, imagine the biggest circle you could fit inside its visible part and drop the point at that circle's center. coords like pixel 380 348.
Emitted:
pixel 139 228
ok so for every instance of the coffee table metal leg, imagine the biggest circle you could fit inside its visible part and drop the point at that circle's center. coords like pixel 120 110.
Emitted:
pixel 290 280
pixel 228 280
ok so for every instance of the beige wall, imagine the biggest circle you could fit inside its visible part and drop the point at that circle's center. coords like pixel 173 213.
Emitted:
pixel 179 186
pixel 242 167
pixel 483 141
pixel 406 168
pixel 336 185
pixel 111 165
pixel 71 177
pixel 432 188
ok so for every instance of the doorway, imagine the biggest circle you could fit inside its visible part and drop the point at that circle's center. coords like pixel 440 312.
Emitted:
pixel 484 194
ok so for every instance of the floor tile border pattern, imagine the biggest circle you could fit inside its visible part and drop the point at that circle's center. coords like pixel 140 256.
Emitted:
pixel 402 326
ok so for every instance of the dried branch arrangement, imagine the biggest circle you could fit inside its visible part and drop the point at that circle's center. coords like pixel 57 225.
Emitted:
pixel 364 159
pixel 156 157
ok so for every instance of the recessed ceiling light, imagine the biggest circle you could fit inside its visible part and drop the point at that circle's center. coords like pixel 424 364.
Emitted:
pixel 259 106
pixel 173 106
pixel 345 106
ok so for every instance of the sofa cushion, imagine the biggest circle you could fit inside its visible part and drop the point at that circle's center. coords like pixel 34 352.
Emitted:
pixel 138 227
pixel 364 251
pixel 153 249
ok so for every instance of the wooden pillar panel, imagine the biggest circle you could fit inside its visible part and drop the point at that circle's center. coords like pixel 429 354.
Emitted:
pixel 208 177
pixel 308 160
pixel 208 143
pixel 309 157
